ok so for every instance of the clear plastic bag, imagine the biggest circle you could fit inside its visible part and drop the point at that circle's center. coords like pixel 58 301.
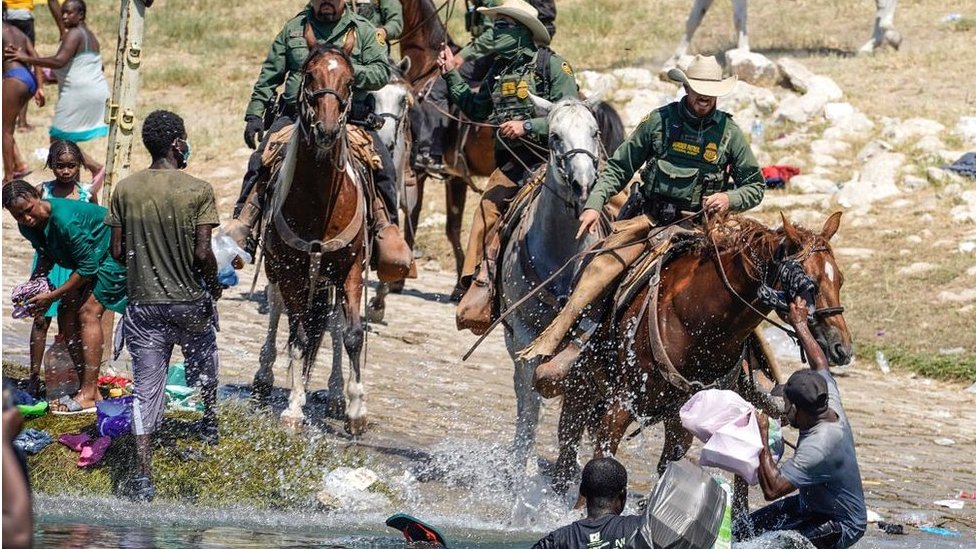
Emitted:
pixel 226 251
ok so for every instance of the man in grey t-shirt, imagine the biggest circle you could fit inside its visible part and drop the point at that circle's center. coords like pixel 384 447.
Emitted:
pixel 829 508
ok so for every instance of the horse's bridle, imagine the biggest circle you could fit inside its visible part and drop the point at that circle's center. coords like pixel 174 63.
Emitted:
pixel 780 257
pixel 306 111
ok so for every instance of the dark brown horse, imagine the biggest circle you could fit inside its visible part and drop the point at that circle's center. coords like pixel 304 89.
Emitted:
pixel 702 327
pixel 315 246
pixel 423 35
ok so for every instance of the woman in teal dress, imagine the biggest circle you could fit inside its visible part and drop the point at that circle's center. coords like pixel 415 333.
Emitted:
pixel 64 159
pixel 72 234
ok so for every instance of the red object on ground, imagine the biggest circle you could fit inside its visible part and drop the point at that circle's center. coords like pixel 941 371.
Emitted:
pixel 117 381
pixel 783 173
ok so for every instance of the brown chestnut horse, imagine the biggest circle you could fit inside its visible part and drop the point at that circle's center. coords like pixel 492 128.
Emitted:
pixel 423 35
pixel 315 245
pixel 702 326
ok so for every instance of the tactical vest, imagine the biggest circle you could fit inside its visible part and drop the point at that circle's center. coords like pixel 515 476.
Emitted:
pixel 367 9
pixel 691 167
pixel 510 96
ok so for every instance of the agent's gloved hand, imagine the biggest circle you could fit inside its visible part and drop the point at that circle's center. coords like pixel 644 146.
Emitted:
pixel 253 130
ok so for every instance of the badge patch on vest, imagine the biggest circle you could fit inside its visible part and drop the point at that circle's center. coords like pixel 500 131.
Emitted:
pixel 523 90
pixel 567 69
pixel 508 87
pixel 711 152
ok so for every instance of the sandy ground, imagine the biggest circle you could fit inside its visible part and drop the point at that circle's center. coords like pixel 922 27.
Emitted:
pixel 420 394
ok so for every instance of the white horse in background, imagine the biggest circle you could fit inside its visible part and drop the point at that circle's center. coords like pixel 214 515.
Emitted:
pixel 884 26
pixel 392 103
pixel 541 243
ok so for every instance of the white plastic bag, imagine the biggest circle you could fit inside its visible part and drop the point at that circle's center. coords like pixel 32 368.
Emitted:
pixel 735 448
pixel 708 411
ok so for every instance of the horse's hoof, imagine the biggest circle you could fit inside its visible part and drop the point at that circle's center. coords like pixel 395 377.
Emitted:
pixel 335 408
pixel 374 313
pixel 356 427
pixel 260 392
pixel 292 424
pixel 396 287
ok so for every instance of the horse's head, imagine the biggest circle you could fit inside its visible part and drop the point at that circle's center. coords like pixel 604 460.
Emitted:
pixel 325 95
pixel 391 103
pixel 574 146
pixel 812 251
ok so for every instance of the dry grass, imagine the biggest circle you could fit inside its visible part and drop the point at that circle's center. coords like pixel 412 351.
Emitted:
pixel 201 59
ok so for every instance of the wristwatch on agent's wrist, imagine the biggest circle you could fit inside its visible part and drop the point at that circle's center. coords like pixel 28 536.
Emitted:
pixel 527 125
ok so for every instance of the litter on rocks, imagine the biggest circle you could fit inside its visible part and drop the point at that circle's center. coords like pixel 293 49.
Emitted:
pixel 944 441
pixel 950 503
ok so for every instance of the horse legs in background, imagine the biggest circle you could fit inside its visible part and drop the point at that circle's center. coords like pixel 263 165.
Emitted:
pixel 377 304
pixel 264 378
pixel 740 9
pixel 456 190
pixel 573 419
pixel 352 340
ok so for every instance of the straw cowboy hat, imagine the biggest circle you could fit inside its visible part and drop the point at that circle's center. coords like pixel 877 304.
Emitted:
pixel 704 77
pixel 524 13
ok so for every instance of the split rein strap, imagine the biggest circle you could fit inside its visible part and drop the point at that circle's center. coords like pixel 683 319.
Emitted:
pixel 594 249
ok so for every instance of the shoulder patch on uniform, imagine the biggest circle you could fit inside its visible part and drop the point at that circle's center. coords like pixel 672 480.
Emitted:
pixel 646 118
pixel 567 69
pixel 379 38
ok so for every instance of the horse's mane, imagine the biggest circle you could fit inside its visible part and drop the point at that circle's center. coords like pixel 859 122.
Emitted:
pixel 438 33
pixel 322 48
pixel 738 235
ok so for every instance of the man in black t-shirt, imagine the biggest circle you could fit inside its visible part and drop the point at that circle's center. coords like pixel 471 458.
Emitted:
pixel 604 486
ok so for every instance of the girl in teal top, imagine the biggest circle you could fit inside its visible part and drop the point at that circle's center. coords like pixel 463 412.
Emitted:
pixel 72 234
pixel 64 159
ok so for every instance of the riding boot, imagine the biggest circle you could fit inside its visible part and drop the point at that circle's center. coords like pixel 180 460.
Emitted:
pixel 476 308
pixel 393 256
pixel 597 277
pixel 549 376
pixel 494 202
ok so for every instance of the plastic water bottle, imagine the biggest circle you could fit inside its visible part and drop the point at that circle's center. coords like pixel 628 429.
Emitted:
pixel 60 375
pixel 724 539
pixel 757 130
pixel 882 362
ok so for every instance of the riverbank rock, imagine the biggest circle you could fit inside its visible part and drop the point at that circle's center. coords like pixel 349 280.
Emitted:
pixel 751 67
pixel 899 131
pixel 812 184
pixel 347 489
pixel 965 212
pixel 745 96
pixel 876 181
pixel 966 128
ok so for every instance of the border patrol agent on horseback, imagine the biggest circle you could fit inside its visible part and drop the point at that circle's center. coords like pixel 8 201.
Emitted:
pixel 472 62
pixel 524 66
pixel 694 158
pixel 330 22
pixel 385 15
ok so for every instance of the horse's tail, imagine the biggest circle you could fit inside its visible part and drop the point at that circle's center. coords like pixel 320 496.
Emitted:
pixel 610 124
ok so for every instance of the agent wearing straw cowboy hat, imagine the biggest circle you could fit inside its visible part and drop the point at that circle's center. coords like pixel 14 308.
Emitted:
pixel 523 66
pixel 694 158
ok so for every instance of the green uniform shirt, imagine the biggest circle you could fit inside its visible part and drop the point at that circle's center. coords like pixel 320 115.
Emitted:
pixel 699 145
pixel 483 35
pixel 159 211
pixel 381 13
pixel 502 95
pixel 76 239
pixel 289 50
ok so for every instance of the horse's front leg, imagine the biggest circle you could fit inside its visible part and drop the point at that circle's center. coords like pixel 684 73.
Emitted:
pixel 612 427
pixel 677 441
pixel 527 411
pixel 264 378
pixel 292 417
pixel 573 418
pixel 353 341
pixel 336 401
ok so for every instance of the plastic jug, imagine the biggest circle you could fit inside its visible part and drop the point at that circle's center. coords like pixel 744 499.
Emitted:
pixel 60 373
pixel 724 540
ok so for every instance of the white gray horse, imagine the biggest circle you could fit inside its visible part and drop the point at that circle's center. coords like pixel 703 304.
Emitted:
pixel 884 26
pixel 393 103
pixel 541 243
